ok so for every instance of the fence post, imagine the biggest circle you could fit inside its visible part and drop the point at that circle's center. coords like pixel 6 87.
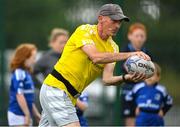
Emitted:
pixel 2 62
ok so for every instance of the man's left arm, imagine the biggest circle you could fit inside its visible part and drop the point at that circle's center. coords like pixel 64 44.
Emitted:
pixel 109 79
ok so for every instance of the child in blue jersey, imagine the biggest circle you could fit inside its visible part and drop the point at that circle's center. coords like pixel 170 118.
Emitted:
pixel 152 101
pixel 137 35
pixel 21 94
pixel 81 106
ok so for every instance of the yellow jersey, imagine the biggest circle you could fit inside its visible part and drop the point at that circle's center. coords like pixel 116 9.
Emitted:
pixel 74 65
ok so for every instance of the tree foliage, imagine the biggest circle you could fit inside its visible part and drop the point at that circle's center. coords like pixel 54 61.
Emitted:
pixel 32 21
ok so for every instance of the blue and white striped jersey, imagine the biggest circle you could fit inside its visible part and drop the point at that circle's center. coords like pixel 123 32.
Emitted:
pixel 151 98
pixel 21 83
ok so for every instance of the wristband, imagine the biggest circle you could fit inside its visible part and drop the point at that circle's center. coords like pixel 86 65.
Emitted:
pixel 123 77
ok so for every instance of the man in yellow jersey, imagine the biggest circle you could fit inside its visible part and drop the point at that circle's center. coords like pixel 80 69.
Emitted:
pixel 89 53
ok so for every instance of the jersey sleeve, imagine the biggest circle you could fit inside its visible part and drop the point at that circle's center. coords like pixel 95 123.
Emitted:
pixel 168 102
pixel 167 99
pixel 115 47
pixel 82 36
pixel 131 96
pixel 84 98
pixel 18 81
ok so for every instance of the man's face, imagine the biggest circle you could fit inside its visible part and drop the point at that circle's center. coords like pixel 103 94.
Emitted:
pixel 110 27
pixel 137 38
pixel 59 43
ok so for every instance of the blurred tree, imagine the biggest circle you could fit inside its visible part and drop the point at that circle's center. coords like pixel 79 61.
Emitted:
pixel 32 21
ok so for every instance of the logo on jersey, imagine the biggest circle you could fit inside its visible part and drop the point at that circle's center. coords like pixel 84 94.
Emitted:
pixel 157 97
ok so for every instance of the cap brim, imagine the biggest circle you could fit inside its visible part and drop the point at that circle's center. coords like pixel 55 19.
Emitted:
pixel 126 19
pixel 118 17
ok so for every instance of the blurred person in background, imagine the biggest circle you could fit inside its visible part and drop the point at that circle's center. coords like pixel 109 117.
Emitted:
pixel 151 99
pixel 81 106
pixel 89 53
pixel 21 95
pixel 58 39
pixel 137 35
pixel 44 65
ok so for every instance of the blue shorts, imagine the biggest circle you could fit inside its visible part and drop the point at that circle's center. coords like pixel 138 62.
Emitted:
pixel 83 121
pixel 149 119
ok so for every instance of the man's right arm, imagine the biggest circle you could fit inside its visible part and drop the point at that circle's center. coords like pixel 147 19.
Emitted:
pixel 103 58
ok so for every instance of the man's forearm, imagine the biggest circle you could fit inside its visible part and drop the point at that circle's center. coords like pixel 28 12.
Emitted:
pixel 115 80
pixel 103 58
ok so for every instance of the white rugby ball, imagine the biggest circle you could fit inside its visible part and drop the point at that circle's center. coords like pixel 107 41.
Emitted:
pixel 137 64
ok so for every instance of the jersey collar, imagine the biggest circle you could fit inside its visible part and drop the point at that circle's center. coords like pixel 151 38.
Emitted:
pixel 132 49
pixel 154 85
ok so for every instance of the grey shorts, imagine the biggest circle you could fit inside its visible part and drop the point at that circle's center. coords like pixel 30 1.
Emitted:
pixel 58 109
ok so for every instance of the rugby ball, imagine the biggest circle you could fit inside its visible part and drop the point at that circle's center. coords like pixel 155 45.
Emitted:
pixel 139 65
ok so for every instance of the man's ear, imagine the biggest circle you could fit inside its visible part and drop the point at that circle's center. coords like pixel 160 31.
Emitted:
pixel 100 18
